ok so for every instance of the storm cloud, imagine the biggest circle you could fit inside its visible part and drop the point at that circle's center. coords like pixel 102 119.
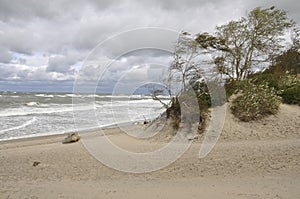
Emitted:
pixel 49 40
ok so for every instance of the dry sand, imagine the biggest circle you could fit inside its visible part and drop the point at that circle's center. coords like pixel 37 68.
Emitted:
pixel 251 160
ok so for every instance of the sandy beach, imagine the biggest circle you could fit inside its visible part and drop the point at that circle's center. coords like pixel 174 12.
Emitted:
pixel 251 160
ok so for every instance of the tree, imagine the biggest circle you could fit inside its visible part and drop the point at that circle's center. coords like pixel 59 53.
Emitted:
pixel 186 63
pixel 288 61
pixel 184 73
pixel 188 68
pixel 243 45
pixel 184 69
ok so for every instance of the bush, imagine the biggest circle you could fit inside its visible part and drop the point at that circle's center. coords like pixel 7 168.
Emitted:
pixel 286 86
pixel 267 78
pixel 255 102
pixel 291 95
pixel 289 89
pixel 232 87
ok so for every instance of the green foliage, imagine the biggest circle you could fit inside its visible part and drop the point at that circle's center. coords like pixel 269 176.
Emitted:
pixel 292 95
pixel 202 92
pixel 237 48
pixel 255 102
pixel 233 87
pixel 267 78
pixel 209 94
pixel 286 86
pixel 288 61
pixel 289 89
pixel 287 81
pixel 248 42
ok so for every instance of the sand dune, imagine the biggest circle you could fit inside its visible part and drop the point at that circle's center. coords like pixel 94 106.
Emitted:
pixel 251 160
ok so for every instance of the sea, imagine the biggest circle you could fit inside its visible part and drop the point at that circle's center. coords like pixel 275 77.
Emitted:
pixel 28 114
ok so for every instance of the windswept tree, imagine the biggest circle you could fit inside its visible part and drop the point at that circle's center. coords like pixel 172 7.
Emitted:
pixel 186 65
pixel 242 46
pixel 184 73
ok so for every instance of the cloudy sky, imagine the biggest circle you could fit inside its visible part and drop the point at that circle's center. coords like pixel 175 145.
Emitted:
pixel 43 44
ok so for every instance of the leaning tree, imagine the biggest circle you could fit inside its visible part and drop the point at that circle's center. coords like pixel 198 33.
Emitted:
pixel 241 46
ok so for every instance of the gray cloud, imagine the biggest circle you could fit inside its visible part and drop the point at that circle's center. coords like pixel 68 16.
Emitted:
pixel 63 63
pixel 59 64
pixel 53 36
pixel 5 55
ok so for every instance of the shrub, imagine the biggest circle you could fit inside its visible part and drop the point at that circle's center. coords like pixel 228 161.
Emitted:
pixel 201 90
pixel 286 86
pixel 267 78
pixel 291 95
pixel 255 102
pixel 232 87
pixel 289 89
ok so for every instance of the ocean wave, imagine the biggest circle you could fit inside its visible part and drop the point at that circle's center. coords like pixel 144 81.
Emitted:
pixel 72 95
pixel 34 110
pixel 44 95
pixel 114 96
pixel 61 96
pixel 21 126
pixel 32 104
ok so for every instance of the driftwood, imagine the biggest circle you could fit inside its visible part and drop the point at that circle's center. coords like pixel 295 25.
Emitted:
pixel 35 163
pixel 72 137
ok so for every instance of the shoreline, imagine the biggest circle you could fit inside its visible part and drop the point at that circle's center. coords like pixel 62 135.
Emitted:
pixel 49 136
pixel 250 160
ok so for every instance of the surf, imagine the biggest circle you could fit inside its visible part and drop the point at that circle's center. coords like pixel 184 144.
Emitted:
pixel 29 122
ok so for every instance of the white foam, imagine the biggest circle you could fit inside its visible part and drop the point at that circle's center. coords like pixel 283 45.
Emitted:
pixel 44 95
pixel 32 104
pixel 61 95
pixel 70 95
pixel 21 126
pixel 32 110
pixel 57 118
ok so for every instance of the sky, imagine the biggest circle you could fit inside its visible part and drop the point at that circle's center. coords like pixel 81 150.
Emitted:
pixel 48 45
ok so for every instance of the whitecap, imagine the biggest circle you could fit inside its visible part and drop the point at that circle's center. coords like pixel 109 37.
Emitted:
pixel 36 110
pixel 43 95
pixel 61 96
pixel 40 95
pixel 21 126
pixel 32 104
